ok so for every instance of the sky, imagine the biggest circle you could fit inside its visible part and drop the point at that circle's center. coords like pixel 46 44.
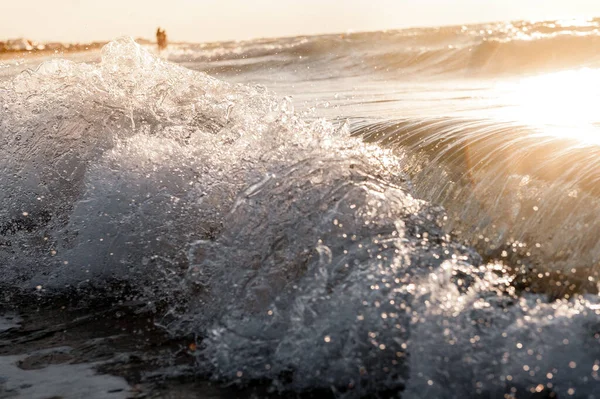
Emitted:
pixel 212 20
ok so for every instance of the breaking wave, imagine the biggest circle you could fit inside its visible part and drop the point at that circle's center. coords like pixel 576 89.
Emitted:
pixel 512 193
pixel 298 253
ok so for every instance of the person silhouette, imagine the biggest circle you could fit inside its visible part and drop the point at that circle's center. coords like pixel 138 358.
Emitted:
pixel 161 39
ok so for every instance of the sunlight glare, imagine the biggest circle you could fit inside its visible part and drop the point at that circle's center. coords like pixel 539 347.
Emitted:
pixel 562 104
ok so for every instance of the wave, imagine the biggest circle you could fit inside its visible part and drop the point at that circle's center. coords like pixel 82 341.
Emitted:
pixel 299 254
pixel 507 188
pixel 477 50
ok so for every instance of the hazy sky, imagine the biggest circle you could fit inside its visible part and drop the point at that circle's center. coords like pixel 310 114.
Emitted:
pixel 207 20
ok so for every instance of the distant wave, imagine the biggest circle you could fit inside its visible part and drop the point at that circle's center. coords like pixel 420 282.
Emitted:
pixel 478 50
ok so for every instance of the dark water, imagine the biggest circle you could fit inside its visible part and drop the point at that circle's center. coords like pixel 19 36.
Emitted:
pixel 417 218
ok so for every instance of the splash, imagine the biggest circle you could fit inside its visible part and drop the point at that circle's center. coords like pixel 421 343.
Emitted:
pixel 299 254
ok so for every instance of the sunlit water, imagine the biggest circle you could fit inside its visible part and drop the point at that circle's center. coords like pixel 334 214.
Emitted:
pixel 407 211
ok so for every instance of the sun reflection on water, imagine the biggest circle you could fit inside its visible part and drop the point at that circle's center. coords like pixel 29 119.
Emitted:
pixel 561 104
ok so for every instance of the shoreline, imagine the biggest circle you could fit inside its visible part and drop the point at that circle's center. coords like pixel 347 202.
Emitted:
pixel 56 48
pixel 32 54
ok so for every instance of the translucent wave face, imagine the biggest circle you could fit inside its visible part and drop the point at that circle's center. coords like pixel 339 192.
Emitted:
pixel 517 197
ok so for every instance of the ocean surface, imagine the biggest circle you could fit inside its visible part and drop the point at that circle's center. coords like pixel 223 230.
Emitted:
pixel 407 213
